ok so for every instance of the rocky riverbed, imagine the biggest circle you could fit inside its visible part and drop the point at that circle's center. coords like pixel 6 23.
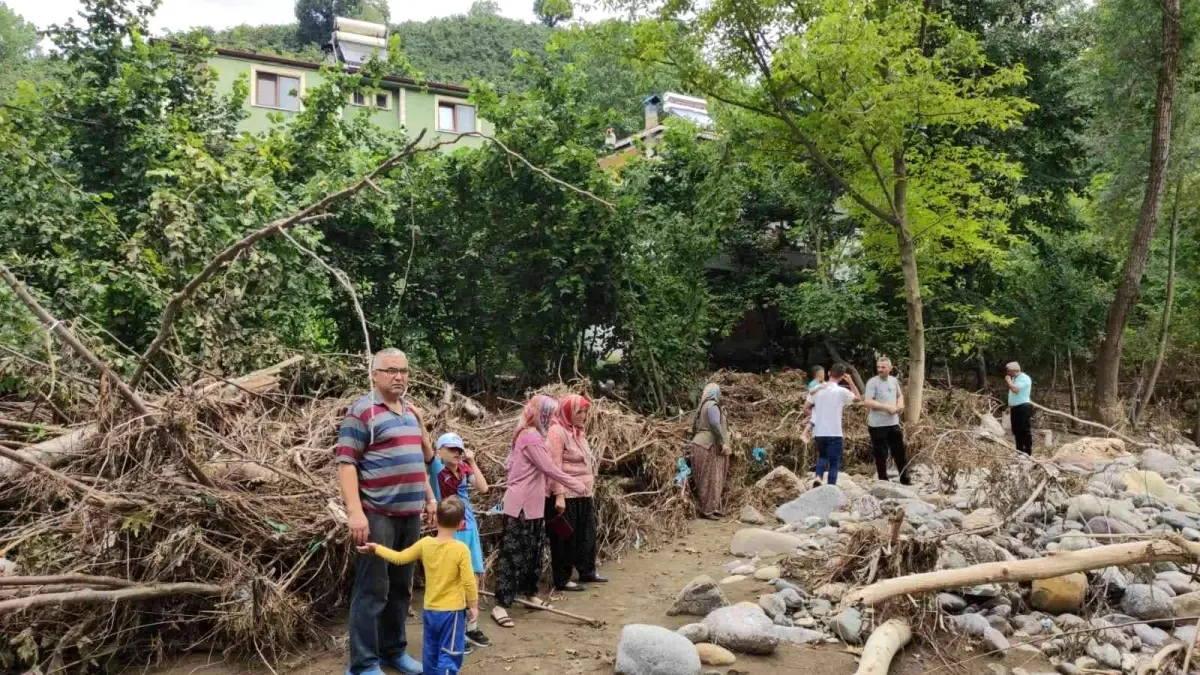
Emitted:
pixel 1100 492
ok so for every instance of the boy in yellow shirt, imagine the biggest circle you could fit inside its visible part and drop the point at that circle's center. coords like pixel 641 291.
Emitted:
pixel 451 595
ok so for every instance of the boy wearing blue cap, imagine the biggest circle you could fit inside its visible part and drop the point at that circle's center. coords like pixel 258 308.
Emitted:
pixel 456 474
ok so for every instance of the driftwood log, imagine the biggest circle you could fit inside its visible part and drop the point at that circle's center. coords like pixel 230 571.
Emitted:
pixel 882 647
pixel 1166 549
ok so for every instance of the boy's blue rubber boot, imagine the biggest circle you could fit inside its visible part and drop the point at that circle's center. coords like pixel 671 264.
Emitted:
pixel 407 665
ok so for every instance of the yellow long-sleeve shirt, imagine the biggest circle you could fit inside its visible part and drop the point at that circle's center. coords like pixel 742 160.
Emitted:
pixel 449 579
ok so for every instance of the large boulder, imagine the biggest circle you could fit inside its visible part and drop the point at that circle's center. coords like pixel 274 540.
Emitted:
pixel 961 550
pixel 818 502
pixel 1060 594
pixel 751 516
pixel 743 629
pixel 694 632
pixel 883 489
pixel 1106 525
pixel 1151 483
pixel 848 626
pixel 1147 602
pixel 990 426
pixel 1160 462
pixel 981 518
pixel 1085 507
pixel 753 541
pixel 798 636
pixel 1089 453
pixel 1187 604
pixel 779 486
pixel 701 596
pixel 654 650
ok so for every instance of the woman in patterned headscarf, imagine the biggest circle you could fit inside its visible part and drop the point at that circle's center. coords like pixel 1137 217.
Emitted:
pixel 529 465
pixel 569 449
pixel 709 451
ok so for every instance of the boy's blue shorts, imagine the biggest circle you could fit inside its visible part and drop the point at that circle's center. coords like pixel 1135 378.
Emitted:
pixel 445 641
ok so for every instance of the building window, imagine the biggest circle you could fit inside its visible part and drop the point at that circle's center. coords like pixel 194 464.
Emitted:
pixel 456 117
pixel 381 100
pixel 276 90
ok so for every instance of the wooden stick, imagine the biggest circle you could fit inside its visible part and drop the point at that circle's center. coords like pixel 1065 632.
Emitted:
pixel 595 623
pixel 92 596
pixel 882 646
pixel 1160 659
pixel 66 579
pixel 1089 423
pixel 1166 549
pixel 1187 658
pixel 26 426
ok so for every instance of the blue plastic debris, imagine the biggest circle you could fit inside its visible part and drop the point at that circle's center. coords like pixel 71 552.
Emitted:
pixel 684 471
pixel 759 455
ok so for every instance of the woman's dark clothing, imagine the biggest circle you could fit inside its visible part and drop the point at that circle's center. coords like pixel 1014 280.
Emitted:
pixel 520 559
pixel 578 551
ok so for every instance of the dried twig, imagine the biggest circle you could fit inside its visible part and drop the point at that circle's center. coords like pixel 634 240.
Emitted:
pixel 92 596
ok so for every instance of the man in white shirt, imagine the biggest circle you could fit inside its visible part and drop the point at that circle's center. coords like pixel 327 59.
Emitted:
pixel 885 399
pixel 827 403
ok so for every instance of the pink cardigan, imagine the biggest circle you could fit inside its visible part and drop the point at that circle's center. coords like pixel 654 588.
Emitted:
pixel 529 465
pixel 572 455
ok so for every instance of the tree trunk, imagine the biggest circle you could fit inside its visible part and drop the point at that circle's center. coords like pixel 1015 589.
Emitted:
pixel 1108 366
pixel 980 371
pixel 912 295
pixel 1164 329
pixel 837 357
pixel 1054 378
pixel 1071 382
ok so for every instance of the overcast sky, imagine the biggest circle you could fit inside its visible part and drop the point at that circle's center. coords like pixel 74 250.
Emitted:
pixel 182 14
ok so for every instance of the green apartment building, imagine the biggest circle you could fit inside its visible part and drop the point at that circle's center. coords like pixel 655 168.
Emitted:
pixel 277 85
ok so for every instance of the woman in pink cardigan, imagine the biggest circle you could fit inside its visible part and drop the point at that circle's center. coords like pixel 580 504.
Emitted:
pixel 569 449
pixel 529 465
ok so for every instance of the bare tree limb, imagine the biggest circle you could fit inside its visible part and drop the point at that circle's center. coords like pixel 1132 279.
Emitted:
pixel 1164 549
pixel 91 596
pixel 1088 423
pixel 882 647
pixel 66 579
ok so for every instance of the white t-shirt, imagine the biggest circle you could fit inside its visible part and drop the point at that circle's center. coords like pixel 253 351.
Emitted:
pixel 827 410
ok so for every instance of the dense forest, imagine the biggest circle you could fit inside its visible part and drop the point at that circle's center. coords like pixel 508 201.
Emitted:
pixel 976 182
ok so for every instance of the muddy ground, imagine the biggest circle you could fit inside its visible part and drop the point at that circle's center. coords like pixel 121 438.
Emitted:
pixel 641 589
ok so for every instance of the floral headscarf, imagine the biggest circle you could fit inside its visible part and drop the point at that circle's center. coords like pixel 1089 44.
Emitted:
pixel 569 409
pixel 538 414
pixel 711 392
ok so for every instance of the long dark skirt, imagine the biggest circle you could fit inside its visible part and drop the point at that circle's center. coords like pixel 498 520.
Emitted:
pixel 578 551
pixel 709 469
pixel 520 559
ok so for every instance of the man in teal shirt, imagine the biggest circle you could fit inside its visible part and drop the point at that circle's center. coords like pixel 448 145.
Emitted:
pixel 1020 408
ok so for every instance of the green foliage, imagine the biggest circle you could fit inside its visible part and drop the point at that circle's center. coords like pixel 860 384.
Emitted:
pixel 553 12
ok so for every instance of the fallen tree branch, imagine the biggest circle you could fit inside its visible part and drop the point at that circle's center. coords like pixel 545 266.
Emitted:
pixel 1160 659
pixel 1089 423
pixel 83 490
pixel 26 426
pixel 92 596
pixel 883 645
pixel 89 579
pixel 1166 549
pixel 171 311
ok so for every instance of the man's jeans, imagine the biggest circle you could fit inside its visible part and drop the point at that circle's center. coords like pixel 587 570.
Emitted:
pixel 379 602
pixel 829 456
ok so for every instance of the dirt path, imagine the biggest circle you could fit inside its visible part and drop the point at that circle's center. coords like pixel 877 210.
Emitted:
pixel 642 587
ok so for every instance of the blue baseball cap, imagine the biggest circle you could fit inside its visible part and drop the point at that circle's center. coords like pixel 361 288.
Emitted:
pixel 450 440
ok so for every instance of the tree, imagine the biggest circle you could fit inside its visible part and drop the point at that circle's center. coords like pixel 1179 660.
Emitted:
pixel 870 94
pixel 315 17
pixel 18 45
pixel 553 12
pixel 1108 364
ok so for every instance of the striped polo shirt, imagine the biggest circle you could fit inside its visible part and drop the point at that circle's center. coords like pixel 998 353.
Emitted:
pixel 386 448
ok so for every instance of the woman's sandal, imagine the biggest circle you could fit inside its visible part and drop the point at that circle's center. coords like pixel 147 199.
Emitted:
pixel 501 617
pixel 539 603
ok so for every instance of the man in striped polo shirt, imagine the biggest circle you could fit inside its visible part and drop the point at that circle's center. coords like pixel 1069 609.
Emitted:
pixel 382 450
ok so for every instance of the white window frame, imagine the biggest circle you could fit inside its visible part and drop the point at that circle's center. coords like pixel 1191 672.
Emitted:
pixel 285 72
pixel 451 100
pixel 369 99
pixel 375 100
